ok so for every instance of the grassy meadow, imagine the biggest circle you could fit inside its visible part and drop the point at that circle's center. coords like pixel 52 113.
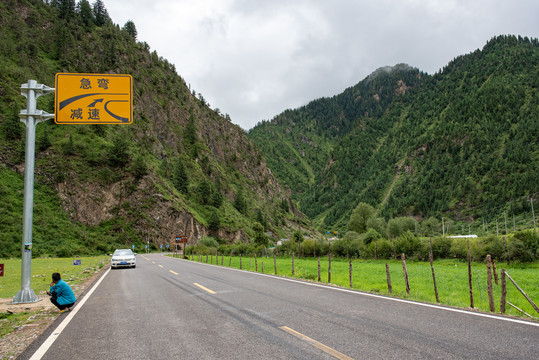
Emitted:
pixel 42 269
pixel 370 276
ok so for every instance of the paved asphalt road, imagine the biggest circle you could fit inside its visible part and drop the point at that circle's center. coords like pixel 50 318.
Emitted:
pixel 168 308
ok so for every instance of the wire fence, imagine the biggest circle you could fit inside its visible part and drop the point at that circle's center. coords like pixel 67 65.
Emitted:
pixel 413 281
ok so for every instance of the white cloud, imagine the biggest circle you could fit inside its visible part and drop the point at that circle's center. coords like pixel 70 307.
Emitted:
pixel 254 59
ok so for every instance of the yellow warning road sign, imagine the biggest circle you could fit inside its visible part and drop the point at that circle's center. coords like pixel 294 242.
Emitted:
pixel 93 99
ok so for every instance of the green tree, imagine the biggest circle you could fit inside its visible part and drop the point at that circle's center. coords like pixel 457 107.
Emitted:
pixel 378 224
pixel 359 218
pixel 260 237
pixel 101 14
pixel 12 124
pixel 214 222
pixel 204 191
pixel 85 13
pixel 261 219
pixel 190 135
pixel 66 8
pixel 139 168
pixel 131 29
pixel 43 142
pixel 431 226
pixel 216 199
pixel 180 178
pixel 240 203
pixel 118 152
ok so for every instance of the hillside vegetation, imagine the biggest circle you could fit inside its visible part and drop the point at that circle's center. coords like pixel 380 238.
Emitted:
pixel 181 168
pixel 461 143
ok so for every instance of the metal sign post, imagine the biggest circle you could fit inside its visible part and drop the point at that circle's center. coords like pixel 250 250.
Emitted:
pixel 30 117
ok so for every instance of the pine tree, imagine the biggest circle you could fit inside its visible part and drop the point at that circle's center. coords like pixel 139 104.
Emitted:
pixel 214 223
pixel 85 13
pixel 180 178
pixel 131 29
pixel 240 203
pixel 101 14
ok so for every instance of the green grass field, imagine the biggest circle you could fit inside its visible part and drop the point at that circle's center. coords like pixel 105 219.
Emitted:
pixel 370 276
pixel 42 270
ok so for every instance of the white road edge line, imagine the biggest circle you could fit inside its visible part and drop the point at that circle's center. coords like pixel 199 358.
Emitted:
pixel 358 292
pixel 52 338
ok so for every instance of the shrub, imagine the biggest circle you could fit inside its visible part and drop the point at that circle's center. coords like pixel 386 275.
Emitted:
pixel 441 247
pixel 209 242
pixel 385 249
pixel 530 241
pixel 409 244
pixel 308 246
pixel 492 246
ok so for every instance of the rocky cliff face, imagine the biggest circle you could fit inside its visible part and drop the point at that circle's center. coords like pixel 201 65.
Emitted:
pixel 171 124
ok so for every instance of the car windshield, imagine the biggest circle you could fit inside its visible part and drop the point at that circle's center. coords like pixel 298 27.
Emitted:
pixel 123 252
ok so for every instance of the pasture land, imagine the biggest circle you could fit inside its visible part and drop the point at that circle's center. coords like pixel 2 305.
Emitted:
pixel 370 276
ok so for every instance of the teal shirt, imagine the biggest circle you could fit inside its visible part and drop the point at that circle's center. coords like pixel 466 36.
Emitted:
pixel 64 294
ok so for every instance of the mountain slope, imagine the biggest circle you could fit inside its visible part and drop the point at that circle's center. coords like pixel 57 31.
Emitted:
pixel 461 142
pixel 100 186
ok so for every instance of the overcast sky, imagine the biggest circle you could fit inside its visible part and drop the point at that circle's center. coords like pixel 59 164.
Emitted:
pixel 253 59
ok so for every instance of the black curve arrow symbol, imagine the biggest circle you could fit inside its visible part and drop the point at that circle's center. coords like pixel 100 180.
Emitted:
pixel 95 102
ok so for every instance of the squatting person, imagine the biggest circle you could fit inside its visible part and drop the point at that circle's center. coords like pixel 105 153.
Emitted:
pixel 61 294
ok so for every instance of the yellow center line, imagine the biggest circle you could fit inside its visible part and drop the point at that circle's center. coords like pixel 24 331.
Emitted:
pixel 160 266
pixel 153 262
pixel 316 344
pixel 175 273
pixel 204 288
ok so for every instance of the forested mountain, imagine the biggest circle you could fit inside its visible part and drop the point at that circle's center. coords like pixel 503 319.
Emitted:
pixel 462 142
pixel 181 168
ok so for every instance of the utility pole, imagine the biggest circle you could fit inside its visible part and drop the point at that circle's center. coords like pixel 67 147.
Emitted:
pixel 30 117
pixel 443 228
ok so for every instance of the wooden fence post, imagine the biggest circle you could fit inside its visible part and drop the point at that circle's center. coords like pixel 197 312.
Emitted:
pixel 403 258
pixel 293 269
pixel 495 271
pixel 329 269
pixel 222 258
pixel 230 260
pixel 470 274
pixel 256 264
pixel 262 266
pixel 206 256
pixel 319 280
pixel 240 262
pixel 505 249
pixel 432 270
pixel 504 293
pixel 389 288
pixel 489 285
pixel 274 264
pixel 350 271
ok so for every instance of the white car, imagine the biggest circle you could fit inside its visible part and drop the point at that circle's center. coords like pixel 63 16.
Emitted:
pixel 123 258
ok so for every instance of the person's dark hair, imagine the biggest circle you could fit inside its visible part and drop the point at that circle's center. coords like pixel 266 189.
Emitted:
pixel 56 276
